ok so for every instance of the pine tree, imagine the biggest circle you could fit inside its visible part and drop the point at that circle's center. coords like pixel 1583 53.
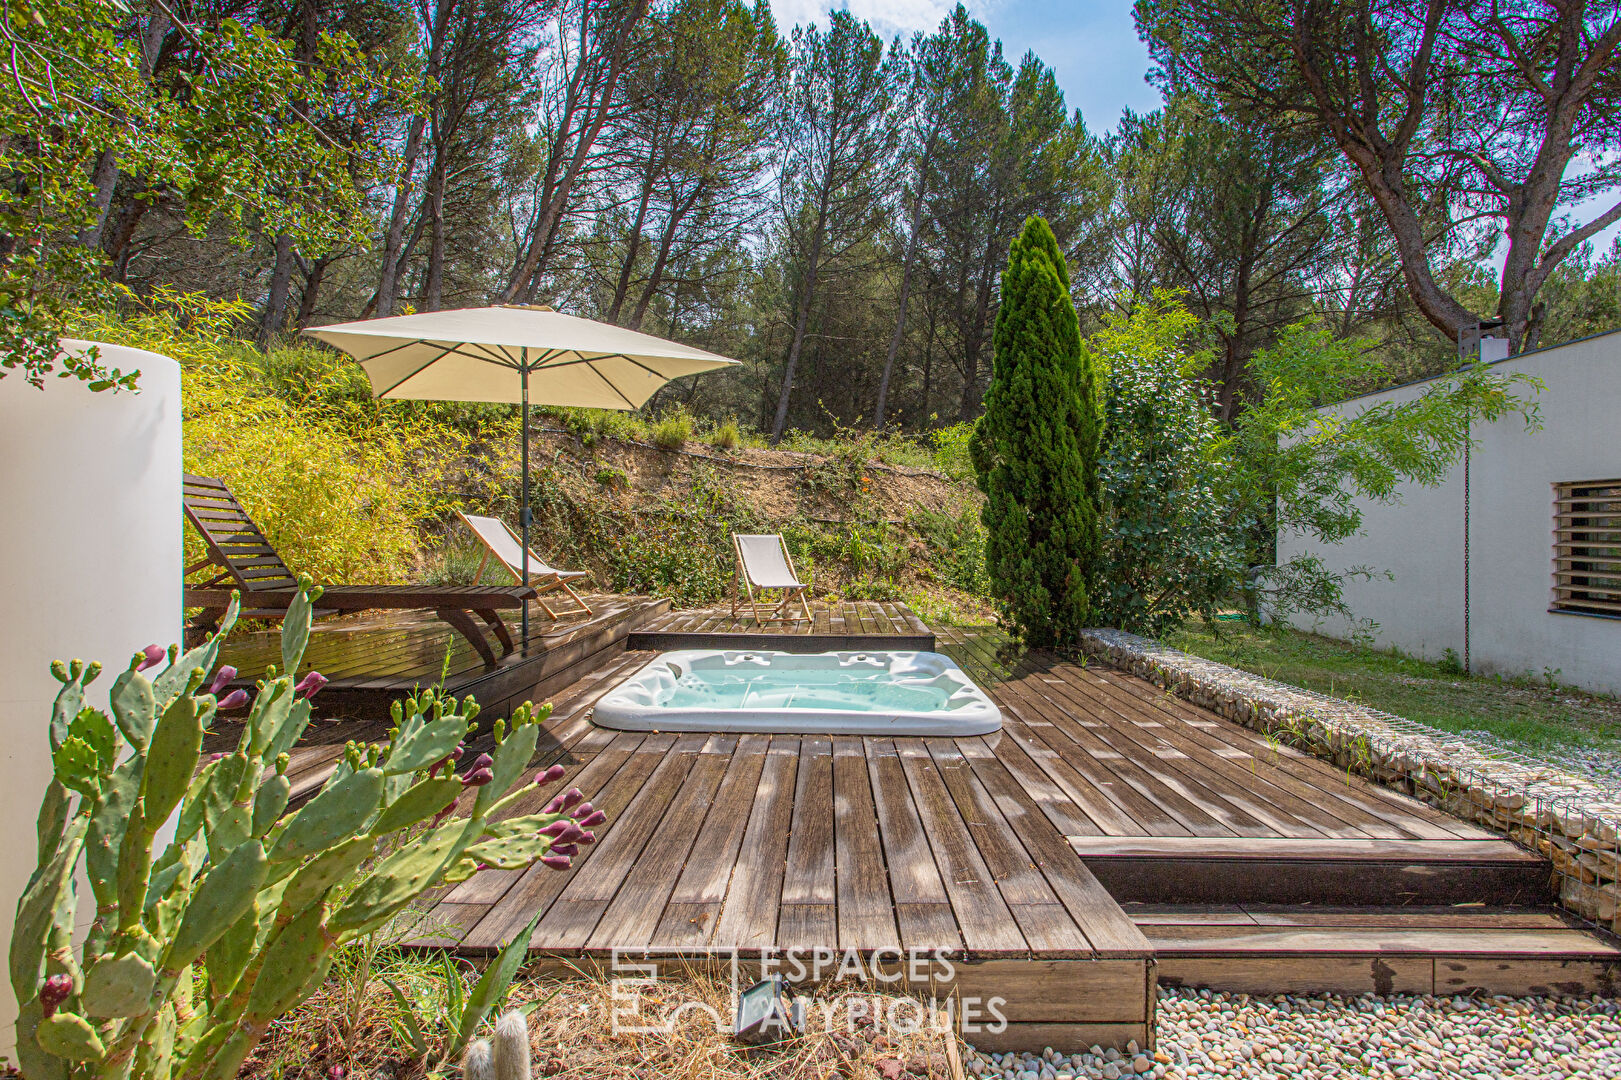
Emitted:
pixel 1036 450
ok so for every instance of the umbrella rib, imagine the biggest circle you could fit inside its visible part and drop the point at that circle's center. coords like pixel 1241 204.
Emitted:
pixel 414 372
pixel 385 352
pixel 612 387
pixel 444 351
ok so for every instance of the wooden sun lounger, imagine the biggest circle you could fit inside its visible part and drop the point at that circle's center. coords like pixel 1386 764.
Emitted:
pixel 247 562
pixel 506 548
pixel 763 564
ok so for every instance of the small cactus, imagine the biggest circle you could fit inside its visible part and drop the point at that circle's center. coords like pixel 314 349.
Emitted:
pixel 510 1047
pixel 478 1063
pixel 244 889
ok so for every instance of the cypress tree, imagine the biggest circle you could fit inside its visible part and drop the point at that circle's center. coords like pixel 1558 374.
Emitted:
pixel 1035 451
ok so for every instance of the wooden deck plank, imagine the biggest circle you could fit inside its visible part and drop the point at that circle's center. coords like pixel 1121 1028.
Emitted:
pixel 1293 849
pixel 809 876
pixel 1407 815
pixel 913 876
pixel 1161 736
pixel 540 886
pixel 632 917
pixel 866 911
pixel 748 917
pixel 986 924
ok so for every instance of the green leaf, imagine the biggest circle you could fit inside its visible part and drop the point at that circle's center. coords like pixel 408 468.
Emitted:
pixel 71 1037
pixel 336 814
pixel 96 730
pixel 493 985
pixel 406 1015
pixel 422 801
pixel 225 895
pixel 46 904
pixel 295 631
pixel 134 707
pixel 118 986
pixel 172 759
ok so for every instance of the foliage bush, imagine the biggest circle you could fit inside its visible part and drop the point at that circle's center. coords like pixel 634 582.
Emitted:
pixel 1194 507
pixel 1035 450
pixel 672 430
pixel 951 454
pixel 612 478
pixel 338 482
pixel 957 545
pixel 725 436
pixel 1169 550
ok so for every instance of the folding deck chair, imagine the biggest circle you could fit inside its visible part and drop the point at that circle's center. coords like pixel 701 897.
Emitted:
pixel 247 562
pixel 763 563
pixel 504 545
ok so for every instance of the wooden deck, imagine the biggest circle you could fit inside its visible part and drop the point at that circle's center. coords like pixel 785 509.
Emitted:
pixel 1108 836
pixel 1004 850
pixel 852 624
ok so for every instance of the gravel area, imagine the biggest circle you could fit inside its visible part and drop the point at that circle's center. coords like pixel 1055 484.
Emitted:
pixel 1210 1034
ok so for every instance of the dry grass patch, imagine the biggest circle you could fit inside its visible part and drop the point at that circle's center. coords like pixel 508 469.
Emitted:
pixel 853 1033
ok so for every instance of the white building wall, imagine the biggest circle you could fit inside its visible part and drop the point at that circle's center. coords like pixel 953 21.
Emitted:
pixel 1418 537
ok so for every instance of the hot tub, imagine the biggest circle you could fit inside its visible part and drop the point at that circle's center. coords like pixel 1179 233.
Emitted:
pixel 843 693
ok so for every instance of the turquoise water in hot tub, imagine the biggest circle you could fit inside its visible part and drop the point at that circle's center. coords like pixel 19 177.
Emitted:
pixel 874 691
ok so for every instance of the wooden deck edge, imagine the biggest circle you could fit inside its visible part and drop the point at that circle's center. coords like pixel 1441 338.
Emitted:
pixel 1070 1005
pixel 1253 849
pixel 1357 881
pixel 670 641
pixel 1268 975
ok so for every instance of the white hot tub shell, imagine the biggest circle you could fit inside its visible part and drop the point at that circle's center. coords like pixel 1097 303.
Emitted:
pixel 844 693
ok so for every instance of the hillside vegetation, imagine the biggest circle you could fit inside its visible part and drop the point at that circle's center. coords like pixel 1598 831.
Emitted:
pixel 649 508
pixel 352 490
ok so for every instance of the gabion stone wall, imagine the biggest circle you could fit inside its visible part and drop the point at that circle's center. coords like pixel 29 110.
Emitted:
pixel 1575 821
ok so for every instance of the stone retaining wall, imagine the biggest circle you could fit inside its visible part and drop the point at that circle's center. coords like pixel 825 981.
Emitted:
pixel 1572 820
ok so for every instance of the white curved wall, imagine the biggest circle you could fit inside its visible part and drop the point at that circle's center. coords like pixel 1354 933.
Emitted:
pixel 90 561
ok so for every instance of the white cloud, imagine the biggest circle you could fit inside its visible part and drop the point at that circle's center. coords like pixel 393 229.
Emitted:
pixel 887 16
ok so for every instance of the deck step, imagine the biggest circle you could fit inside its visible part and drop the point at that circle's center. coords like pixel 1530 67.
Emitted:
pixel 1277 949
pixel 1237 869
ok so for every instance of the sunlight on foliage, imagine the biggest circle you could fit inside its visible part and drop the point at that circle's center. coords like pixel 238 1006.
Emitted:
pixel 339 483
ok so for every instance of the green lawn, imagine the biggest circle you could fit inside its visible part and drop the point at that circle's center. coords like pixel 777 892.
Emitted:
pixel 1530 714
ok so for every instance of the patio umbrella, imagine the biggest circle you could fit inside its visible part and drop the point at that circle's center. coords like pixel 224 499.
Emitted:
pixel 515 354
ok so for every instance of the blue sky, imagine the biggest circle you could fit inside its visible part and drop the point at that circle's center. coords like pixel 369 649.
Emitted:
pixel 1090 44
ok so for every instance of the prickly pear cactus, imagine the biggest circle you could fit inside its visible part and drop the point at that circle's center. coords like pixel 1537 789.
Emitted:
pixel 200 942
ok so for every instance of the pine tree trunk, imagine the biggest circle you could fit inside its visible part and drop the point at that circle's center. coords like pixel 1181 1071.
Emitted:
pixel 801 319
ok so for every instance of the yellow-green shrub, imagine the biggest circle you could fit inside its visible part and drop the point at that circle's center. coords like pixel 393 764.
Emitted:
pixel 339 483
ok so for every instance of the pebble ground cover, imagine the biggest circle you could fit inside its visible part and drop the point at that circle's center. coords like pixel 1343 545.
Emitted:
pixel 1202 1034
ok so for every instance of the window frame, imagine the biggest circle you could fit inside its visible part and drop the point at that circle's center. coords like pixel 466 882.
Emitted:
pixel 1586 531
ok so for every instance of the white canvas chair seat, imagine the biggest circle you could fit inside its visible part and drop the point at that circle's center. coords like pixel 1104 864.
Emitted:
pixel 502 544
pixel 763 563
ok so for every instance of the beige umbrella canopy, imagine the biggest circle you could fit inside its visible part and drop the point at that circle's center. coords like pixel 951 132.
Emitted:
pixel 515 354
pixel 488 354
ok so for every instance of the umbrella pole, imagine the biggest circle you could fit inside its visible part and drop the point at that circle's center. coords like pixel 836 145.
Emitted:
pixel 523 513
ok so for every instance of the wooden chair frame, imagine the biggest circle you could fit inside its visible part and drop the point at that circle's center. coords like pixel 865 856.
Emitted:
pixel 249 565
pixel 775 613
pixel 550 581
